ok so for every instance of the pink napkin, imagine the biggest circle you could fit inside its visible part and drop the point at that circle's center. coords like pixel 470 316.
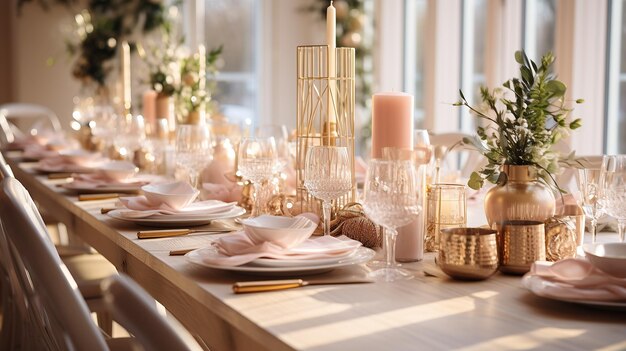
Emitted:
pixel 237 249
pixel 98 180
pixel 226 193
pixel 62 164
pixel 38 152
pixel 574 279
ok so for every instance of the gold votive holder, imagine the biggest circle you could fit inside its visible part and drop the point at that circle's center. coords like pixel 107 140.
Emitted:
pixel 577 214
pixel 446 207
pixel 468 253
pixel 561 238
pixel 522 243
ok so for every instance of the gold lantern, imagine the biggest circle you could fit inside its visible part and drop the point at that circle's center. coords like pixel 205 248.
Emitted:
pixel 325 113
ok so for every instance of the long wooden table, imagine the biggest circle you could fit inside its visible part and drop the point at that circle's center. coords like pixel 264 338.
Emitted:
pixel 427 312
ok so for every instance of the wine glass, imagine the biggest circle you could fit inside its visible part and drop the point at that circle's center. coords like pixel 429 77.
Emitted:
pixel 193 150
pixel 281 137
pixel 422 147
pixel 327 176
pixel 613 189
pixel 257 163
pixel 131 133
pixel 391 201
pixel 589 187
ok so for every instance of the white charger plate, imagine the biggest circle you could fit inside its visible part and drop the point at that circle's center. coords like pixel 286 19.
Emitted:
pixel 540 286
pixel 176 221
pixel 361 255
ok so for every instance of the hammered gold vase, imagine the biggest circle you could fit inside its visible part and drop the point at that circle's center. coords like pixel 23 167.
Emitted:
pixel 521 197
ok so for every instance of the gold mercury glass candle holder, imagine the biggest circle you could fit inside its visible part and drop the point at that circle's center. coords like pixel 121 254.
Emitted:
pixel 468 253
pixel 521 243
pixel 325 114
pixel 446 208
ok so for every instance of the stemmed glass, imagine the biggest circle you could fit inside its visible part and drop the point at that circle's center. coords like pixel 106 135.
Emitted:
pixel 391 201
pixel 131 134
pixel 327 176
pixel 422 147
pixel 589 187
pixel 281 137
pixel 257 163
pixel 613 188
pixel 193 150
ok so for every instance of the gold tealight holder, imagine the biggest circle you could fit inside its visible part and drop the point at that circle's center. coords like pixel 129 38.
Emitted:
pixel 521 243
pixel 446 208
pixel 468 253
pixel 325 113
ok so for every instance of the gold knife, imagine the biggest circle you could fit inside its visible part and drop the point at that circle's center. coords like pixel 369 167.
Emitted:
pixel 91 197
pixel 273 285
pixel 59 175
pixel 151 234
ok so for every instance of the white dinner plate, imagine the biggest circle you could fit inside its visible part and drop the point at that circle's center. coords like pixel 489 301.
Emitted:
pixel 272 262
pixel 540 287
pixel 361 255
pixel 101 189
pixel 172 221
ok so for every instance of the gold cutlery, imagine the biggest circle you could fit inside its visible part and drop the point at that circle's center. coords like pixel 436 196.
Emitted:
pixel 59 175
pixel 106 210
pixel 152 234
pixel 91 197
pixel 181 252
pixel 273 285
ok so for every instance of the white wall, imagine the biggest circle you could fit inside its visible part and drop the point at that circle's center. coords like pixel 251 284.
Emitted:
pixel 36 37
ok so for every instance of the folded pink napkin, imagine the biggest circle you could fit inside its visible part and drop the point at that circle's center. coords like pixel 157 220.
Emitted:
pixel 574 279
pixel 38 152
pixel 237 249
pixel 62 164
pixel 99 180
pixel 222 192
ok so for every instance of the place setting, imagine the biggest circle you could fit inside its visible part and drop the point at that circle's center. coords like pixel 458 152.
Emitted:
pixel 171 205
pixel 111 177
pixel 280 246
pixel 71 161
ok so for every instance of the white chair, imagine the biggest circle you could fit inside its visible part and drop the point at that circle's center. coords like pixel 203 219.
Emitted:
pixel 54 315
pixel 17 119
pixel 5 169
pixel 467 159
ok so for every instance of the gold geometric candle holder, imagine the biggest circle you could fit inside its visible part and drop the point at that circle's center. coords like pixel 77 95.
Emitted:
pixel 325 114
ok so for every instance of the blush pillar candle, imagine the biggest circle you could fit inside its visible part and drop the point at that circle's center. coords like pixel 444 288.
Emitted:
pixel 392 122
pixel 149 107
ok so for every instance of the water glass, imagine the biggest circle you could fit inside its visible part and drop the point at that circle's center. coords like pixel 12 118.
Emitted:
pixel 281 138
pixel 193 150
pixel 131 133
pixel 390 199
pixel 256 162
pixel 327 176
pixel 613 188
pixel 589 186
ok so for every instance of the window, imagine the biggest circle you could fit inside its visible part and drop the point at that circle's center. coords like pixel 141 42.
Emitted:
pixel 615 128
pixel 414 61
pixel 235 24
pixel 540 25
pixel 474 37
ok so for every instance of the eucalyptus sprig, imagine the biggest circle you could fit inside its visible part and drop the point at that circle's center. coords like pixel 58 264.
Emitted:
pixel 526 117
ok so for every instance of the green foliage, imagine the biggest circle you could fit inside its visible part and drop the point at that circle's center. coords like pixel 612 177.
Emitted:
pixel 527 117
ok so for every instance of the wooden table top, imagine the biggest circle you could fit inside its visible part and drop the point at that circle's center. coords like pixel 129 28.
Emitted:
pixel 430 312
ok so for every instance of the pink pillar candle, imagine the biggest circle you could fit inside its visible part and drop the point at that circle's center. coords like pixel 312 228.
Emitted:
pixel 392 122
pixel 149 107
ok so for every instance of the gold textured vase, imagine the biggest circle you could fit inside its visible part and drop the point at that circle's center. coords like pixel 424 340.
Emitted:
pixel 521 197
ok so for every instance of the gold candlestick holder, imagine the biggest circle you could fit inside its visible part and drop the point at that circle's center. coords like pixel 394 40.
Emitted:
pixel 325 114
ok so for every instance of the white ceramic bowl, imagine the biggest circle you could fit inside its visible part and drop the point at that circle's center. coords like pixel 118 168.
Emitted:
pixel 608 257
pixel 276 229
pixel 118 170
pixel 78 156
pixel 176 195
